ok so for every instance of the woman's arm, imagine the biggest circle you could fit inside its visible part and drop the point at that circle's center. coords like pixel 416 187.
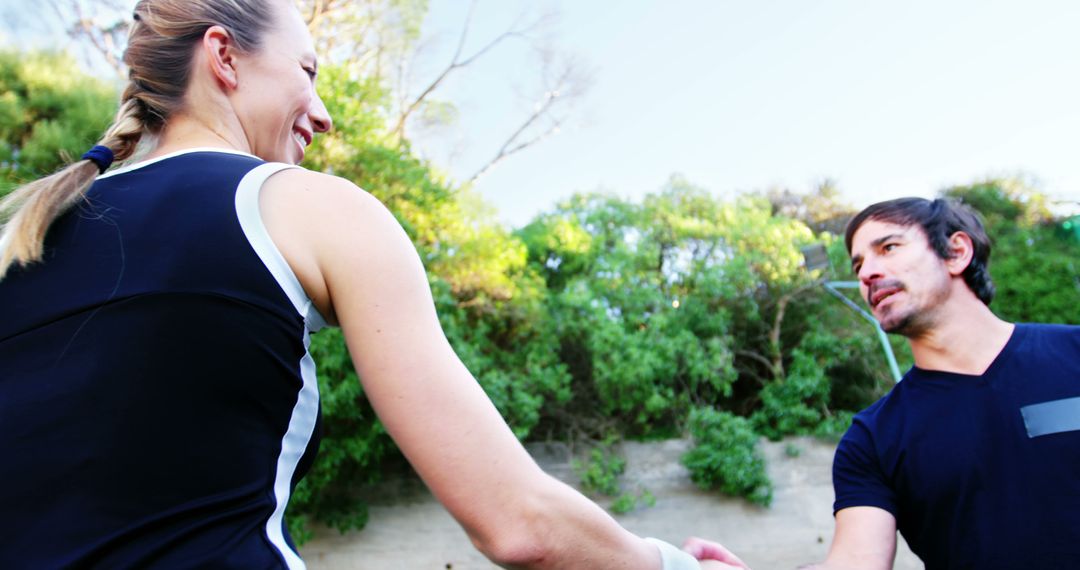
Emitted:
pixel 354 258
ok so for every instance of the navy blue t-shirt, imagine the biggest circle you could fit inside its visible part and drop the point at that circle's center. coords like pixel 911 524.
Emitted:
pixel 157 399
pixel 980 472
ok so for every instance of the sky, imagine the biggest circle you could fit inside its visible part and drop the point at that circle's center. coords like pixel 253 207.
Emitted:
pixel 887 99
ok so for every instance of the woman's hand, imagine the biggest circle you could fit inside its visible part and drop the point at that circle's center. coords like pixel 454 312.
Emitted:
pixel 712 555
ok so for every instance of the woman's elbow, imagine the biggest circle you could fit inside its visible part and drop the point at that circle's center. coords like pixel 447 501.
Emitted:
pixel 524 538
pixel 516 552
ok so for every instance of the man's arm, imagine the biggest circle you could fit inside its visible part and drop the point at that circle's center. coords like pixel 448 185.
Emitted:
pixel 865 539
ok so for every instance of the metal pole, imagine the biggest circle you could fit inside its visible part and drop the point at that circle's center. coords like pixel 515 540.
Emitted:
pixel 831 287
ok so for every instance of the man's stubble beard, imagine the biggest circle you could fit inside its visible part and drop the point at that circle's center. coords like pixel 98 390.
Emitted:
pixel 918 321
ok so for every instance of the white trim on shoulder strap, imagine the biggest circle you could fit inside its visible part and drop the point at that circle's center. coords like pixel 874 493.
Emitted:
pixel 247 212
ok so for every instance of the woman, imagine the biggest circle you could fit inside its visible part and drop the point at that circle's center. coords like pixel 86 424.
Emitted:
pixel 158 402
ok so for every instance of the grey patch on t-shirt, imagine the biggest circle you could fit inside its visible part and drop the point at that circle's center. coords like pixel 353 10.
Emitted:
pixel 1052 417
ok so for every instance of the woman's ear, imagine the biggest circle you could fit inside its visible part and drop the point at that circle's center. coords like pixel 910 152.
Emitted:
pixel 961 252
pixel 220 51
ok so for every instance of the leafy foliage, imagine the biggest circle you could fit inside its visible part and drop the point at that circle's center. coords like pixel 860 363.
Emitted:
pixel 629 501
pixel 354 445
pixel 50 113
pixel 601 472
pixel 1036 260
pixel 725 456
pixel 686 300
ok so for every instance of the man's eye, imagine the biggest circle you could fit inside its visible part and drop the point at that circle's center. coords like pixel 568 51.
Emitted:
pixel 889 246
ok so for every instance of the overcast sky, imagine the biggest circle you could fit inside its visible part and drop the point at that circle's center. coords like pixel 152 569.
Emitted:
pixel 886 98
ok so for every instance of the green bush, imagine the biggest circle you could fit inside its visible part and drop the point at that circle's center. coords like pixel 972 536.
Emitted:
pixel 725 456
pixel 601 472
pixel 1035 261
pixel 354 447
pixel 50 114
pixel 629 501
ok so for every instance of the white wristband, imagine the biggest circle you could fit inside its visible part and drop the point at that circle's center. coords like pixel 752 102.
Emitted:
pixel 674 558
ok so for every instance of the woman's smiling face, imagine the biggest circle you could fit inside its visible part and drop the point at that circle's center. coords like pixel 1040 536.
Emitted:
pixel 276 100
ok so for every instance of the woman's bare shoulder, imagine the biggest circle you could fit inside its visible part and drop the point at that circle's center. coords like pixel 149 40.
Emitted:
pixel 326 226
pixel 337 205
pixel 300 185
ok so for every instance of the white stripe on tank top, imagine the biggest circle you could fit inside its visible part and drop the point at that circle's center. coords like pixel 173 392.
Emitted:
pixel 305 412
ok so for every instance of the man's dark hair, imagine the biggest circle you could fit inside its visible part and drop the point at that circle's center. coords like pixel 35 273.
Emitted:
pixel 939 220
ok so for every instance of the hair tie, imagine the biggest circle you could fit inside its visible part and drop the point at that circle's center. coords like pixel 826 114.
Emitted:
pixel 100 155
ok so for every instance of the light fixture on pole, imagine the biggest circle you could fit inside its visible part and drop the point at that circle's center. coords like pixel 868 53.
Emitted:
pixel 817 257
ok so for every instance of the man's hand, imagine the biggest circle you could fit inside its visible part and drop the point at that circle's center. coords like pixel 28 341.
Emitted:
pixel 714 565
pixel 713 556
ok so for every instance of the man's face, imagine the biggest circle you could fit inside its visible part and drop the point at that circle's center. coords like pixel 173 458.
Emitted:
pixel 900 276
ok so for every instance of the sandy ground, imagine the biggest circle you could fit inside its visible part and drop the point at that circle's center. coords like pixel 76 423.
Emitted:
pixel 408 529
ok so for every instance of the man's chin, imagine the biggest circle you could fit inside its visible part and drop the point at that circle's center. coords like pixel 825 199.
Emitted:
pixel 904 325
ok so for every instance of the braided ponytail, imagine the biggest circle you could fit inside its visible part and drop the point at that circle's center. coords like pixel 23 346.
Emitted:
pixel 28 212
pixel 158 56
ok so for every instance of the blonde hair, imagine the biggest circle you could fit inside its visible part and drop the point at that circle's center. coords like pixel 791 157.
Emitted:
pixel 161 44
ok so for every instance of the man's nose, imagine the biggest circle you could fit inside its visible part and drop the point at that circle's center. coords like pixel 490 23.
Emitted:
pixel 869 271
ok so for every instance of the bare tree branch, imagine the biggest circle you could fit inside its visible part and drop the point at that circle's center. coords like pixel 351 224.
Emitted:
pixel 569 83
pixel 762 360
pixel 377 40
pixel 513 146
pixel 456 63
pixel 778 323
pixel 105 40
pixel 314 17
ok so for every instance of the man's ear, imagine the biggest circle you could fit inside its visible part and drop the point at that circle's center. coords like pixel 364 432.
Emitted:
pixel 220 50
pixel 961 252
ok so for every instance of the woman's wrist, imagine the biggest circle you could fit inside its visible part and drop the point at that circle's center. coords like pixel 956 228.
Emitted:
pixel 672 558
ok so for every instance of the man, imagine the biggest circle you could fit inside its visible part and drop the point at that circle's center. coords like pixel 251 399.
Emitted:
pixel 975 456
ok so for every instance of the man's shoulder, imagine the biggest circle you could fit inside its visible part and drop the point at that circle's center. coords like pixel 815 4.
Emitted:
pixel 1051 340
pixel 886 407
pixel 908 403
pixel 1053 330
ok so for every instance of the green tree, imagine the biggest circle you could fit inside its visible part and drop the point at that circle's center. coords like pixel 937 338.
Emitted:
pixel 50 113
pixel 686 300
pixel 1034 261
pixel 823 209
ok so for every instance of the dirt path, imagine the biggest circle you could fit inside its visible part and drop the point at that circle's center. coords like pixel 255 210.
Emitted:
pixel 410 530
